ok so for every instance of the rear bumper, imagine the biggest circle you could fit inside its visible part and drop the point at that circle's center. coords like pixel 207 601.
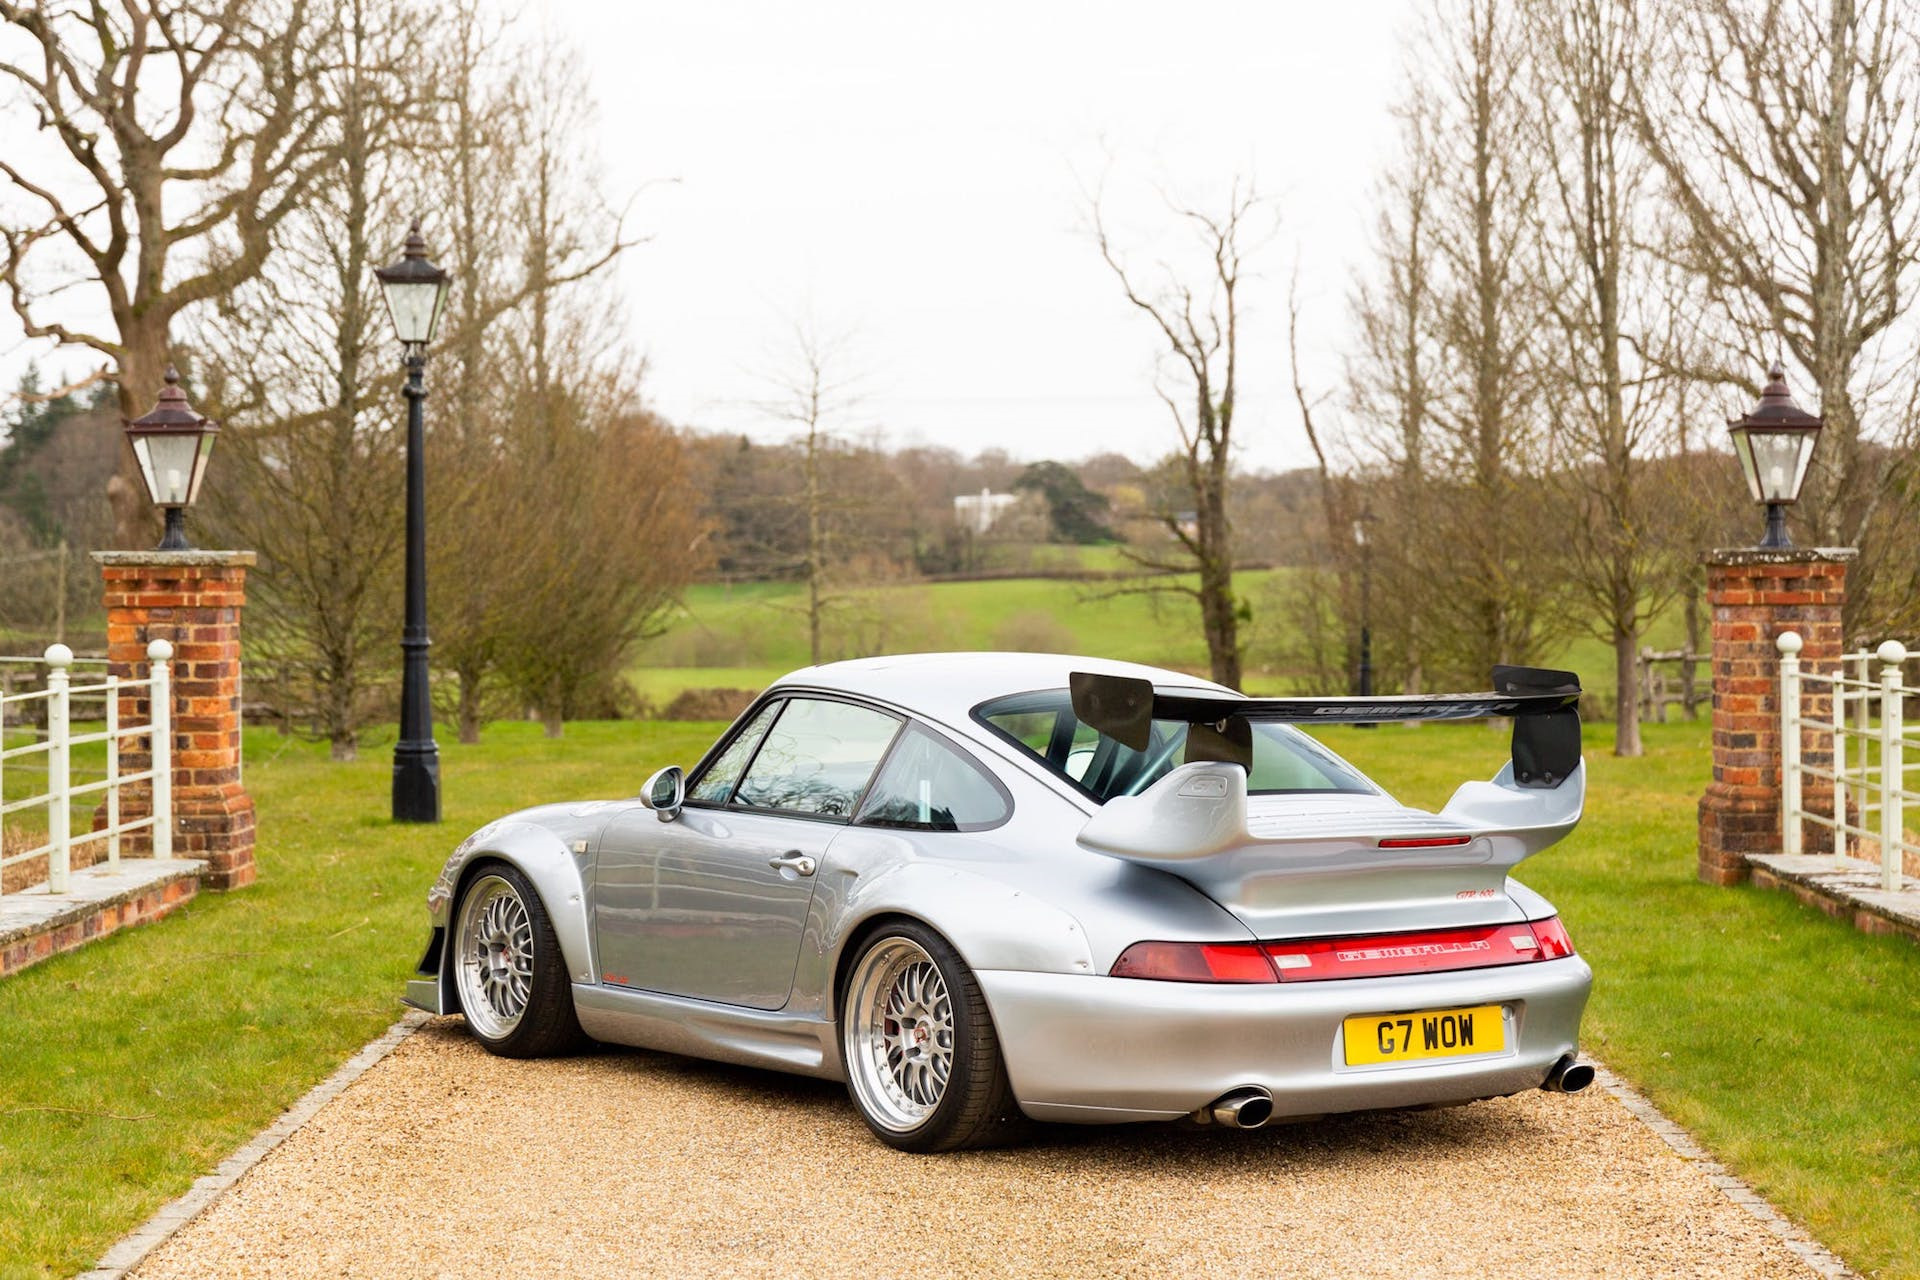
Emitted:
pixel 1096 1050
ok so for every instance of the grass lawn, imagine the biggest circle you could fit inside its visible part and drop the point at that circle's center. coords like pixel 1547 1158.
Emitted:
pixel 1783 1039
pixel 134 1065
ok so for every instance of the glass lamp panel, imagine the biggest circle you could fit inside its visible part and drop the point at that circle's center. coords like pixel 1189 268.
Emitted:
pixel 1778 466
pixel 414 306
pixel 200 457
pixel 167 464
pixel 1806 443
pixel 1743 450
pixel 439 308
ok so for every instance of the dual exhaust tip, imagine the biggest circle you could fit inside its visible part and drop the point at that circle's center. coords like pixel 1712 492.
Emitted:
pixel 1252 1107
pixel 1242 1109
pixel 1568 1076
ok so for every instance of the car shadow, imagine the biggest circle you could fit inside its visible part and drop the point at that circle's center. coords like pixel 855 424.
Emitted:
pixel 1303 1146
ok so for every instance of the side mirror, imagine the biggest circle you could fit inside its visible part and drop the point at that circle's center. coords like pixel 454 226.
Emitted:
pixel 665 792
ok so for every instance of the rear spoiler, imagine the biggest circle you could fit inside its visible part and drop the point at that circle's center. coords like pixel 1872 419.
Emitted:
pixel 1543 704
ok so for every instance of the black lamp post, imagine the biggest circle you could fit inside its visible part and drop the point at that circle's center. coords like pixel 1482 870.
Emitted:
pixel 1362 541
pixel 416 292
pixel 1774 443
pixel 172 444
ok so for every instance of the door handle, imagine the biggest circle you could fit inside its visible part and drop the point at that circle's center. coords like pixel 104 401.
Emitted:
pixel 794 861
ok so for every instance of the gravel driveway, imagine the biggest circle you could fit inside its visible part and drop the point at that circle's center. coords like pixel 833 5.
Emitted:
pixel 444 1161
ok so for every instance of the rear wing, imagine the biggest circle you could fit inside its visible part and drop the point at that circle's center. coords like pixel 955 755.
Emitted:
pixel 1543 704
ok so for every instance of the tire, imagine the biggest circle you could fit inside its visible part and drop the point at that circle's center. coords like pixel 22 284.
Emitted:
pixel 923 1062
pixel 508 970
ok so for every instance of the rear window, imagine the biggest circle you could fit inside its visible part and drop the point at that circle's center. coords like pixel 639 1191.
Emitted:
pixel 1285 760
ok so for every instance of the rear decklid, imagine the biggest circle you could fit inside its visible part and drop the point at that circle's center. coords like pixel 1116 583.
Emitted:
pixel 1292 866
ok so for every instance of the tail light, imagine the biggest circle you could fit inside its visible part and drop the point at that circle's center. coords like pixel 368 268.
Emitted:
pixel 1554 941
pixel 1194 962
pixel 1325 959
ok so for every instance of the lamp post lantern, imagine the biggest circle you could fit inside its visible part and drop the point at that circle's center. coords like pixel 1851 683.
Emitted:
pixel 416 293
pixel 1774 443
pixel 172 444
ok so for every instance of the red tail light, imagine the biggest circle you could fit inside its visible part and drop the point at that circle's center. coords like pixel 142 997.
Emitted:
pixel 1325 959
pixel 1433 951
pixel 1554 941
pixel 1423 842
pixel 1194 962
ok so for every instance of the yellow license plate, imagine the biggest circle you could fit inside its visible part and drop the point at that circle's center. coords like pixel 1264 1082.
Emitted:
pixel 1410 1037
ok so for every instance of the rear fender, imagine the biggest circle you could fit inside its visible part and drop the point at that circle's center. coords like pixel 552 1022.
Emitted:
pixel 993 925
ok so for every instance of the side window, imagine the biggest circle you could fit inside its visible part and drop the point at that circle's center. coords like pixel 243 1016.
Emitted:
pixel 817 758
pixel 928 786
pixel 716 784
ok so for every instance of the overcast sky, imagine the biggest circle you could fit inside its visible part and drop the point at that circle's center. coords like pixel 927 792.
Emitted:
pixel 914 175
pixel 916 178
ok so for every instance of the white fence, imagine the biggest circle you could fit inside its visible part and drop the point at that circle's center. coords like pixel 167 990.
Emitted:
pixel 1867 724
pixel 59 697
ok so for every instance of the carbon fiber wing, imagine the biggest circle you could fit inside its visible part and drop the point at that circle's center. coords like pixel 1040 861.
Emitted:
pixel 1542 703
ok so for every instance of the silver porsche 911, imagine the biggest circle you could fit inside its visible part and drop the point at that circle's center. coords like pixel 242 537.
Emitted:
pixel 988 888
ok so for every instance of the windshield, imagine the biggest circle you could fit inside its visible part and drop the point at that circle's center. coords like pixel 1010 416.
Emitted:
pixel 1285 760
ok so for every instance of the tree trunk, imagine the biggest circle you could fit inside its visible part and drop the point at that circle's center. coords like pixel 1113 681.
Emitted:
pixel 1626 694
pixel 468 710
pixel 814 550
pixel 143 366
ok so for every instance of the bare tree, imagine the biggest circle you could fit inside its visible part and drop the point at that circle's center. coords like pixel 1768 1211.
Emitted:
pixel 306 409
pixel 1614 324
pixel 1199 323
pixel 808 394
pixel 530 232
pixel 1391 382
pixel 1787 134
pixel 1483 439
pixel 184 133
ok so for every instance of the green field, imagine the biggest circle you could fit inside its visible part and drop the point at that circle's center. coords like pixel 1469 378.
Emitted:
pixel 747 635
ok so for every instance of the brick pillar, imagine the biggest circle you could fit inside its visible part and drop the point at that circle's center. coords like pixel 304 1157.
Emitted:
pixel 192 598
pixel 1756 594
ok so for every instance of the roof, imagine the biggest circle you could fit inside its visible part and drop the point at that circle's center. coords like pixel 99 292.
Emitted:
pixel 947 686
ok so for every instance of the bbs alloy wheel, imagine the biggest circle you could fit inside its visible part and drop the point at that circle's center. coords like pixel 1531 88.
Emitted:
pixel 508 969
pixel 923 1062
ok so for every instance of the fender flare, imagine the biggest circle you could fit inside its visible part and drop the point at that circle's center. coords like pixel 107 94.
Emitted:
pixel 991 924
pixel 557 873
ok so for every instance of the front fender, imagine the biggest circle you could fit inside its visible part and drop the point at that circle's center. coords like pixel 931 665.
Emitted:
pixel 541 845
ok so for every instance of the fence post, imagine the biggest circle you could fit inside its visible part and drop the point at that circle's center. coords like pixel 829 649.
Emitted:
pixel 1789 645
pixel 1839 710
pixel 1893 771
pixel 160 736
pixel 113 771
pixel 59 837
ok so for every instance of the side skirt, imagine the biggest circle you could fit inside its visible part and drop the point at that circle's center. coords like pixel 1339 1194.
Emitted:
pixel 701 1029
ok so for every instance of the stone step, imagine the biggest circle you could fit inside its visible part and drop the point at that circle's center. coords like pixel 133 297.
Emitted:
pixel 35 924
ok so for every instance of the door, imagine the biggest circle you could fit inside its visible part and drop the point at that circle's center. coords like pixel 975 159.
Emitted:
pixel 713 905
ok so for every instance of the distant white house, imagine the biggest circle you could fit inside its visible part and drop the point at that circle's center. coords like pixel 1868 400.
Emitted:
pixel 977 512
